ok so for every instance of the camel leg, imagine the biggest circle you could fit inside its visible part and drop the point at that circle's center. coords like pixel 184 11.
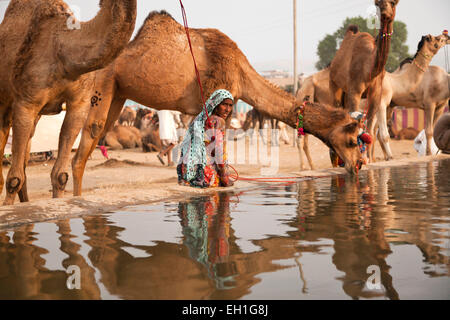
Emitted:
pixel 5 126
pixel 374 95
pixel 99 121
pixel 370 147
pixel 24 117
pixel 438 112
pixel 383 133
pixel 429 116
pixel 336 93
pixel 307 153
pixel 352 101
pixel 73 122
pixel 275 135
pixel 23 192
pixel 300 142
pixel 261 128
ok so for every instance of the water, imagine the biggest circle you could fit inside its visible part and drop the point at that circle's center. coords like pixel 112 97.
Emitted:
pixel 311 240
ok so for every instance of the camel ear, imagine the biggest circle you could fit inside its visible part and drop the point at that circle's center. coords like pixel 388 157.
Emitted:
pixel 351 127
pixel 428 38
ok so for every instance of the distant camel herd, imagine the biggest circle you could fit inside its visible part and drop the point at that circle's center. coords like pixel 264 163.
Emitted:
pixel 93 68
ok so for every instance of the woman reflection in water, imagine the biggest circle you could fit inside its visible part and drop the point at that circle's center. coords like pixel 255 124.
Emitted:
pixel 203 160
pixel 206 230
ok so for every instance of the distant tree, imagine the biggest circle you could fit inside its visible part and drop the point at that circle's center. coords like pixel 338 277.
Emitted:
pixel 328 46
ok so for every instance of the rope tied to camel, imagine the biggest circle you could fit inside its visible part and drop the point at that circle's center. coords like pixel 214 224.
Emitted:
pixel 197 73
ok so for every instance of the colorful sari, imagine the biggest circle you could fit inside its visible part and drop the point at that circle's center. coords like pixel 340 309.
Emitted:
pixel 203 160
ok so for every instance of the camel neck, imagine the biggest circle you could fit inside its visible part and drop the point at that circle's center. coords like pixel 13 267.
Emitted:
pixel 383 45
pixel 320 120
pixel 422 61
pixel 411 77
pixel 266 97
pixel 97 42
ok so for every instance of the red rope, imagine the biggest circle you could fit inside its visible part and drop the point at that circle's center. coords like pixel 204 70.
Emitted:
pixel 285 181
pixel 197 73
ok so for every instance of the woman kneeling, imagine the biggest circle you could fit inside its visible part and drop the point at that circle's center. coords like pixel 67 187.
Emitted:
pixel 203 160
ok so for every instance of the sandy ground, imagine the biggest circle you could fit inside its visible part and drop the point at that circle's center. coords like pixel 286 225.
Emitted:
pixel 132 177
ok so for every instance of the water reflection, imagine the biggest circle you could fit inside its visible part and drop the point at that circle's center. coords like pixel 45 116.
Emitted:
pixel 314 240
pixel 206 230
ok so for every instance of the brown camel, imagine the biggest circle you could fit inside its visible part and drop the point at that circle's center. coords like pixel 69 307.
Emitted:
pixel 315 88
pixel 358 65
pixel 156 70
pixel 143 115
pixel 46 55
pixel 127 116
pixel 404 134
pixel 415 85
pixel 442 133
pixel 150 136
pixel 123 137
pixel 255 120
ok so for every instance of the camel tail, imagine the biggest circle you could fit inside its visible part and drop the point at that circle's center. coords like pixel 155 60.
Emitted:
pixel 353 29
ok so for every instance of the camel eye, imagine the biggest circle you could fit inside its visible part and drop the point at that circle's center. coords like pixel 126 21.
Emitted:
pixel 352 144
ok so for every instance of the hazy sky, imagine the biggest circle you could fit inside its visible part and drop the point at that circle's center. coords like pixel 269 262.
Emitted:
pixel 263 29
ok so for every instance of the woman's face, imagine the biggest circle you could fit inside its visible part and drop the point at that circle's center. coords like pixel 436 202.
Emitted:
pixel 224 109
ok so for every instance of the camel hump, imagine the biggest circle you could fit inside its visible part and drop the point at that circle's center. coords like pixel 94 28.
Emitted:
pixel 353 28
pixel 157 13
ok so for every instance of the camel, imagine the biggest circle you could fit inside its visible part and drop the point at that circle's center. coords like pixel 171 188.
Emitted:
pixel 143 115
pixel 150 136
pixel 405 134
pixel 441 133
pixel 46 57
pixel 254 118
pixel 415 85
pixel 358 65
pixel 127 116
pixel 315 88
pixel 123 137
pixel 156 70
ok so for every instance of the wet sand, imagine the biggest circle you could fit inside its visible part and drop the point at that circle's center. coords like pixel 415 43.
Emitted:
pixel 131 177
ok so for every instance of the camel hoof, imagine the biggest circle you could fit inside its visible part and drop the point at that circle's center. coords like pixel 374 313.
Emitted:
pixel 62 180
pixel 12 185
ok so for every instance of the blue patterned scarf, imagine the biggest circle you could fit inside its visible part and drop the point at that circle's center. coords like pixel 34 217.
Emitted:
pixel 193 150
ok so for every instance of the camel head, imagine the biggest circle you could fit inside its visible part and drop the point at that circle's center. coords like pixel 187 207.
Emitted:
pixel 343 139
pixel 430 45
pixel 387 9
pixel 335 128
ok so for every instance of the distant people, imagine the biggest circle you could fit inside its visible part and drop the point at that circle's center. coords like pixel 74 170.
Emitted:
pixel 168 135
pixel 363 140
pixel 203 159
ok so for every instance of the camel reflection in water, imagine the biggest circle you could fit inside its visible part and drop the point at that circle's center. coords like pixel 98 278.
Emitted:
pixel 364 218
pixel 358 216
pixel 23 274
